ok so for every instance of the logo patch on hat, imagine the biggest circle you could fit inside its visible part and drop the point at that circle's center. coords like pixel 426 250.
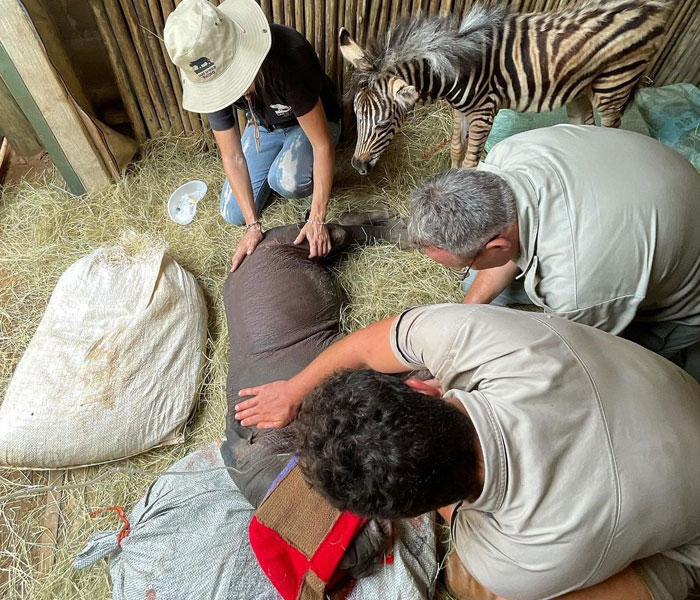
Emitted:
pixel 203 67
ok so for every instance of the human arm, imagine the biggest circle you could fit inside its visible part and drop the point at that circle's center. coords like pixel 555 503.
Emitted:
pixel 488 283
pixel 276 404
pixel 236 170
pixel 315 126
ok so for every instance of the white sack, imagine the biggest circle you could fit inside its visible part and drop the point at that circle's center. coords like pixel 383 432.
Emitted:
pixel 113 367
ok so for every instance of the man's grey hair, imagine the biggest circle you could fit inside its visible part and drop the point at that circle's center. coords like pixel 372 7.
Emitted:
pixel 460 210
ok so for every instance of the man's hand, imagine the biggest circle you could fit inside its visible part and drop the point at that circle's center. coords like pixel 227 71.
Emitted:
pixel 246 246
pixel 318 238
pixel 272 405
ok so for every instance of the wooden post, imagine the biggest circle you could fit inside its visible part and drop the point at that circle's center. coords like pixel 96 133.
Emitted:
pixel 145 60
pixel 14 125
pixel 40 93
pixel 131 61
pixel 159 22
pixel 121 74
pixel 320 29
pixel 332 39
pixel 277 11
pixel 299 16
pixel 289 13
pixel 195 122
pixel 308 30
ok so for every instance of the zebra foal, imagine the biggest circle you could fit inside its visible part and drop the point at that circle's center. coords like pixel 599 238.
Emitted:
pixel 592 55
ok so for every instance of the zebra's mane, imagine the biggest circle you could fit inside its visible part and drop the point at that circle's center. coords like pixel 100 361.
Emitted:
pixel 446 45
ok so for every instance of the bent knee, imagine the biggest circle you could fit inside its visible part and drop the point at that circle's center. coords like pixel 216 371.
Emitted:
pixel 289 183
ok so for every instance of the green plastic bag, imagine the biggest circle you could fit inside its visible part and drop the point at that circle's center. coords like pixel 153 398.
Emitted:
pixel 671 114
pixel 508 122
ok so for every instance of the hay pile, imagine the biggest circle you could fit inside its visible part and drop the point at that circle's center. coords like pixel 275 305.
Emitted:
pixel 43 230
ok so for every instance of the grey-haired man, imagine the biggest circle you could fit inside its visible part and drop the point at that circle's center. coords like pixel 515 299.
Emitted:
pixel 602 226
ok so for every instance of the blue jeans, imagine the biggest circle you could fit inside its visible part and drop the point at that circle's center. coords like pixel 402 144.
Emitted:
pixel 284 164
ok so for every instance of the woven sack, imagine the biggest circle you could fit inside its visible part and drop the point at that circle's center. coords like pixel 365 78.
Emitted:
pixel 113 367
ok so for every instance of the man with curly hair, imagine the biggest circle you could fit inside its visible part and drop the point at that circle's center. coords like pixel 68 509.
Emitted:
pixel 563 457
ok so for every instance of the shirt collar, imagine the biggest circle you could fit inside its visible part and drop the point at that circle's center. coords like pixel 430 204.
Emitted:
pixel 492 448
pixel 527 203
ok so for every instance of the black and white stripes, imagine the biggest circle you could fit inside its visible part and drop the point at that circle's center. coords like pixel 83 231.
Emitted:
pixel 589 56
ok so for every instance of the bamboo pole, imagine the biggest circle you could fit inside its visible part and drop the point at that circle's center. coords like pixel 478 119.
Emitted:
pixel 384 17
pixel 278 11
pixel 445 8
pixel 686 54
pixel 131 61
pixel 168 6
pixel 395 8
pixel 361 22
pixel 299 15
pixel 289 13
pixel 121 73
pixel 267 9
pixel 373 21
pixel 209 139
pixel 332 39
pixel 158 20
pixel 319 29
pixel 145 62
pixel 159 68
pixel 308 29
pixel 677 20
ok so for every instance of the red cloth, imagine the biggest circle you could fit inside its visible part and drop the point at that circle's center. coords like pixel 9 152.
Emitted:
pixel 287 566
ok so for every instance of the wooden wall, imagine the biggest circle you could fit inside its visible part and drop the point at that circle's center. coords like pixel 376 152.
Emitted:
pixel 116 52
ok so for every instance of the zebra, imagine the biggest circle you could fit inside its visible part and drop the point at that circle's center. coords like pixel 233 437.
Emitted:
pixel 592 55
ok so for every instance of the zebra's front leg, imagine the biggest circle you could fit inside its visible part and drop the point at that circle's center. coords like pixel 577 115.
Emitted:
pixel 580 111
pixel 457 146
pixel 479 129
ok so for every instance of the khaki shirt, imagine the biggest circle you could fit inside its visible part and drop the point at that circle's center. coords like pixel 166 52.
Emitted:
pixel 609 224
pixel 590 445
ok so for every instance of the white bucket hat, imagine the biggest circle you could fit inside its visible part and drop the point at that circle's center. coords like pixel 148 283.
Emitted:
pixel 219 50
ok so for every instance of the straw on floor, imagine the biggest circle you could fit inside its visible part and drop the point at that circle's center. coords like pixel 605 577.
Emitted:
pixel 43 230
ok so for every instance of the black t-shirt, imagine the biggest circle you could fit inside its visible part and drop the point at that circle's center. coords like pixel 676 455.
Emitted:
pixel 293 81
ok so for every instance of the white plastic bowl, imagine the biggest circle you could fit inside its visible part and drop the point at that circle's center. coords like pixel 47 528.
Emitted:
pixel 182 204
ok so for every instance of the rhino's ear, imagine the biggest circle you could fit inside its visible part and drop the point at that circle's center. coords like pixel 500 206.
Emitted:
pixel 406 95
pixel 351 50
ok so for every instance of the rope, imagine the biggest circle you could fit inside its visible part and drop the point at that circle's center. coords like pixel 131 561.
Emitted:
pixel 126 528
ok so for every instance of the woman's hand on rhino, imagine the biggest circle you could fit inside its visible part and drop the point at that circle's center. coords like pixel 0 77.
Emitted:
pixel 271 405
pixel 246 246
pixel 318 237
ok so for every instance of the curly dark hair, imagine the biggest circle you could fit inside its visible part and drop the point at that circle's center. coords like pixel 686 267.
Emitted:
pixel 373 446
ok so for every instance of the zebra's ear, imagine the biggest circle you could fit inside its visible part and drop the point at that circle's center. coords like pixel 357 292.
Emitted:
pixel 406 95
pixel 351 50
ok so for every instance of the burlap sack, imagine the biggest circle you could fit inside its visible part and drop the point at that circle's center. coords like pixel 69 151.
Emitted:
pixel 113 367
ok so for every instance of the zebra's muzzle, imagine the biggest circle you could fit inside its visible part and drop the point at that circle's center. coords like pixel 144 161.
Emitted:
pixel 361 166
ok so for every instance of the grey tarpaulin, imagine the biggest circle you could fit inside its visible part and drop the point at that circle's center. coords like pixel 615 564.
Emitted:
pixel 189 539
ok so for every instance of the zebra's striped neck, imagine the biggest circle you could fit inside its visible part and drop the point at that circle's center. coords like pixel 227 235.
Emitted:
pixel 433 87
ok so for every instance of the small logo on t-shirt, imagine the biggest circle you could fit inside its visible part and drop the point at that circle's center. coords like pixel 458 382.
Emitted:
pixel 203 67
pixel 281 110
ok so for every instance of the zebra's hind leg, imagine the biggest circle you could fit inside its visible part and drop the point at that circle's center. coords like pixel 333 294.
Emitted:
pixel 479 129
pixel 580 111
pixel 458 145
pixel 611 98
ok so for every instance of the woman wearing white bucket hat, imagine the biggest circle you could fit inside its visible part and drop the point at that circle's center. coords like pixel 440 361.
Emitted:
pixel 230 57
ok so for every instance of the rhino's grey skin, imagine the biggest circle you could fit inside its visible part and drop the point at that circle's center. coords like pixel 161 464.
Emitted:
pixel 282 311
